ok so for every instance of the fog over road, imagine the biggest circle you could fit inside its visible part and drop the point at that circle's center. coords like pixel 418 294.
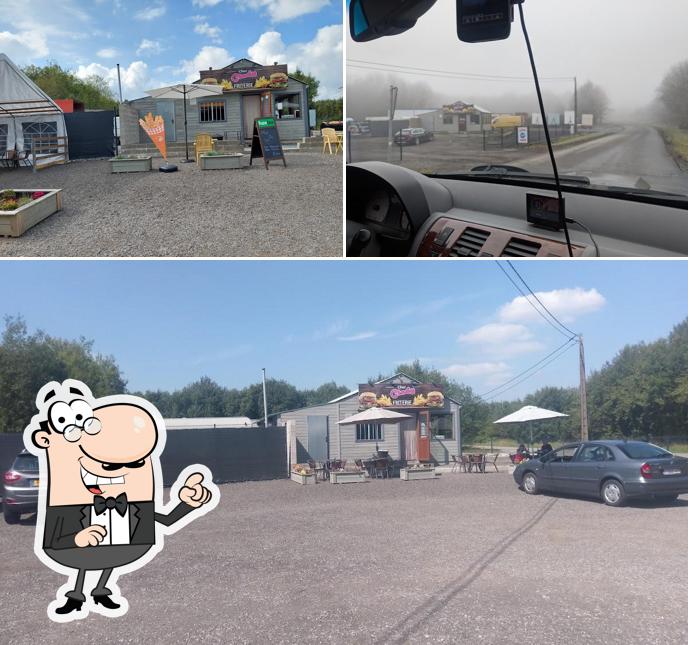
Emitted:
pixel 619 159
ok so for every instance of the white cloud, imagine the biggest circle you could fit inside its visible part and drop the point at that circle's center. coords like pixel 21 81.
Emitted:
pixel 502 339
pixel 365 335
pixel 149 48
pixel 204 29
pixel 281 10
pixel 205 3
pixel 135 77
pixel 108 52
pixel 337 327
pixel 151 13
pixel 321 57
pixel 565 304
pixel 23 46
pixel 490 373
pixel 207 57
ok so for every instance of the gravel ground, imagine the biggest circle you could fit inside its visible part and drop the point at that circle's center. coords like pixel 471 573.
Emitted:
pixel 463 559
pixel 292 211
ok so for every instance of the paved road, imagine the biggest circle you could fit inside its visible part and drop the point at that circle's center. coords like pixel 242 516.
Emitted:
pixel 464 559
pixel 619 159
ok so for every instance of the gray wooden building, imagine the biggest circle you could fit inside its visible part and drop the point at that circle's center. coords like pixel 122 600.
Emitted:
pixel 250 91
pixel 318 435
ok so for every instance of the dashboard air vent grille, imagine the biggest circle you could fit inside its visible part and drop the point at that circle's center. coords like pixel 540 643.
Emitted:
pixel 518 248
pixel 469 243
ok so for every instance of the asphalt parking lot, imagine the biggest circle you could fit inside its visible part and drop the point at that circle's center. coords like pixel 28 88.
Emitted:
pixel 464 559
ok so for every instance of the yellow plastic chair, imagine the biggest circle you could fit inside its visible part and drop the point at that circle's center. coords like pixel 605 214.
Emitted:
pixel 203 143
pixel 329 136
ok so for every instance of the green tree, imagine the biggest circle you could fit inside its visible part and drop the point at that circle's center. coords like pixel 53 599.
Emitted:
pixel 312 82
pixel 329 110
pixel 673 92
pixel 29 360
pixel 592 99
pixel 59 83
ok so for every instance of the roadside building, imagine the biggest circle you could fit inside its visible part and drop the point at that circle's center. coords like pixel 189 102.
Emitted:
pixel 461 117
pixel 432 433
pixel 250 91
pixel 421 118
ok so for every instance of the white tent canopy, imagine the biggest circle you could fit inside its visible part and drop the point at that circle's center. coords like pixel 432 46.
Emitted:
pixel 530 413
pixel 25 109
pixel 375 415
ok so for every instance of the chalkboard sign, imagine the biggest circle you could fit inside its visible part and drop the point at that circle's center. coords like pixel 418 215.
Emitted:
pixel 266 142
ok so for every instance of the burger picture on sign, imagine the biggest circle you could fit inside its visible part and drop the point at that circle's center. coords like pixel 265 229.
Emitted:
pixel 400 395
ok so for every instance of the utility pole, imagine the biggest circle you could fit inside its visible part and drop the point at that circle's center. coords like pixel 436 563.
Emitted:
pixel 119 81
pixel 575 105
pixel 583 392
pixel 265 401
pixel 393 91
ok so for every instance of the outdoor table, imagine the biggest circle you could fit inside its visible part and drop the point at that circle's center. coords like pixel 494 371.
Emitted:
pixel 476 463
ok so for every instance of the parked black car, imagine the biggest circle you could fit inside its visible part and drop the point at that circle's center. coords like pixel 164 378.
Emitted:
pixel 611 470
pixel 409 136
pixel 20 487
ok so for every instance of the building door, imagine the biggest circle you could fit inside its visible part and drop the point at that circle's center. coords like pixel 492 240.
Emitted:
pixel 462 122
pixel 410 444
pixel 423 435
pixel 166 110
pixel 251 106
pixel 317 437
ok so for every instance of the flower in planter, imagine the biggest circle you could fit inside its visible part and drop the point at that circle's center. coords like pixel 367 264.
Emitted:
pixel 23 201
pixel 8 193
pixel 8 204
pixel 38 194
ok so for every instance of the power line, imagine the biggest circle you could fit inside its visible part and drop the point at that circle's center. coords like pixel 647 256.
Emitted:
pixel 529 301
pixel 551 315
pixel 428 71
pixel 524 372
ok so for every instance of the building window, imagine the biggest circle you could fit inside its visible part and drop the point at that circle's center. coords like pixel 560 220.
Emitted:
pixel 3 137
pixel 210 111
pixel 46 131
pixel 441 426
pixel 288 106
pixel 475 118
pixel 369 432
pixel 448 119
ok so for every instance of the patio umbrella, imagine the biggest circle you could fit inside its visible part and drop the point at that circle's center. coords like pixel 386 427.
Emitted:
pixel 185 91
pixel 375 415
pixel 530 413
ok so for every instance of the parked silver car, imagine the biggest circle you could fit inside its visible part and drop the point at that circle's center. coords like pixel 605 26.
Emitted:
pixel 611 470
pixel 20 487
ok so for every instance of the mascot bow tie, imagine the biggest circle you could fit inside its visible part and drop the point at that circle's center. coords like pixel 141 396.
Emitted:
pixel 101 504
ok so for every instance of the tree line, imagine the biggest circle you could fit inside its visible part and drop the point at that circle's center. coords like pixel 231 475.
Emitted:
pixel 642 392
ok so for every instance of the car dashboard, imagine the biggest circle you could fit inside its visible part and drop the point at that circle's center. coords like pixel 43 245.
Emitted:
pixel 404 213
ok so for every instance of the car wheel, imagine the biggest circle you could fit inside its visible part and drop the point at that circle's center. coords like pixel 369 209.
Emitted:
pixel 613 493
pixel 529 484
pixel 11 517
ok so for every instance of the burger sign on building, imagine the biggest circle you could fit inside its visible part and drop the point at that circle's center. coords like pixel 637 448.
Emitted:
pixel 398 395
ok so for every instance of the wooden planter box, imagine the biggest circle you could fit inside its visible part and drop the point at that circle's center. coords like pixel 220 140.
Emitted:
pixel 409 475
pixel 15 223
pixel 136 164
pixel 221 162
pixel 305 480
pixel 347 477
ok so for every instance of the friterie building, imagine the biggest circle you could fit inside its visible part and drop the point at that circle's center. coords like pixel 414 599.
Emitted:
pixel 249 91
pixel 432 432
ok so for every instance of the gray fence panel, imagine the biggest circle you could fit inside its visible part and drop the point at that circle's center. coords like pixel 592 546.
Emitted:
pixel 91 134
pixel 232 454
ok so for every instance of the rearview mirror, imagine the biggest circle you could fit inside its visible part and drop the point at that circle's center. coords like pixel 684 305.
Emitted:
pixel 479 21
pixel 371 19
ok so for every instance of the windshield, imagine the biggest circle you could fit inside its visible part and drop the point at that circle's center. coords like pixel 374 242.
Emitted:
pixel 643 451
pixel 25 463
pixel 614 77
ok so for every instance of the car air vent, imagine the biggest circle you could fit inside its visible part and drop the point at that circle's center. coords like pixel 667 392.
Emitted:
pixel 519 248
pixel 469 243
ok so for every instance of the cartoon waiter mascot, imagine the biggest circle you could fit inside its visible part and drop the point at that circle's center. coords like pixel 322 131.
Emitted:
pixel 100 501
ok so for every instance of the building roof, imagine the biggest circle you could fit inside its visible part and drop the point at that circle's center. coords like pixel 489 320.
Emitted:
pixel 402 115
pixel 198 423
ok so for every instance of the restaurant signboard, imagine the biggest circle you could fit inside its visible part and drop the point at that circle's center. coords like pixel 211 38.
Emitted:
pixel 400 395
pixel 231 78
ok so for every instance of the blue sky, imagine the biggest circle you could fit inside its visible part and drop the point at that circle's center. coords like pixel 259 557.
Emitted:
pixel 169 323
pixel 158 42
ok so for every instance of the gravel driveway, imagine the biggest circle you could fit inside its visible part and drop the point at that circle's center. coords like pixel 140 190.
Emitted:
pixel 292 211
pixel 463 559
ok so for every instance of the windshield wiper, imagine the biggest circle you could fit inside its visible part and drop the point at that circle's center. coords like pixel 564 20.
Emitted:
pixel 626 190
pixel 513 173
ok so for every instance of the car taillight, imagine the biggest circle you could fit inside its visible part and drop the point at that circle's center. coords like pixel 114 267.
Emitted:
pixel 646 471
pixel 11 477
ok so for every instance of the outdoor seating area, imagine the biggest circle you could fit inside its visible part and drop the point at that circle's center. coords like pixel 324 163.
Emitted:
pixel 331 138
pixel 475 462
